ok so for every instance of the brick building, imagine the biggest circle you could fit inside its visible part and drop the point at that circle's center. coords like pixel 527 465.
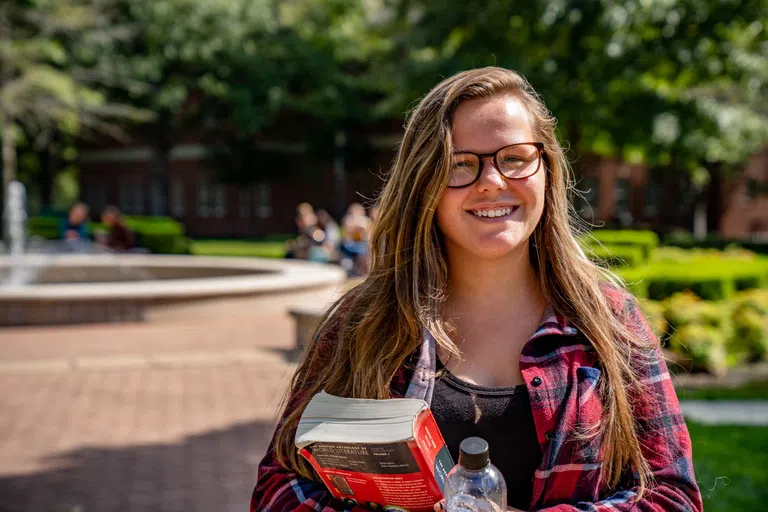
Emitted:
pixel 613 192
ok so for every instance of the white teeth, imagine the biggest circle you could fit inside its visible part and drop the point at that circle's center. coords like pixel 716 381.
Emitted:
pixel 493 213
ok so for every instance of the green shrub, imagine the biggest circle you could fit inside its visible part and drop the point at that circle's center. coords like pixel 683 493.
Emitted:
pixel 616 255
pixel 749 340
pixel 706 287
pixel 48 228
pixel 686 240
pixel 702 348
pixel 654 313
pixel 711 276
pixel 686 308
pixel 647 241
pixel 161 235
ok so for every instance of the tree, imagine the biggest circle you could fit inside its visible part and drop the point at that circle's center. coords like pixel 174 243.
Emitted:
pixel 43 87
pixel 182 55
pixel 665 83
pixel 311 83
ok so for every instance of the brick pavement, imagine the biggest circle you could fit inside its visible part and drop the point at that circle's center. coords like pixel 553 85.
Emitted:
pixel 169 415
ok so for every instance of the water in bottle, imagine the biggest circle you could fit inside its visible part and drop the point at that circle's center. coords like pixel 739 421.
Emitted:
pixel 474 484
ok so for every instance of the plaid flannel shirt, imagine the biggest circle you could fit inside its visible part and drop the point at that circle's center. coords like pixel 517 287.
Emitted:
pixel 561 372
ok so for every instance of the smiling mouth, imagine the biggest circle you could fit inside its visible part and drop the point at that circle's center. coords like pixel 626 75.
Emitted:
pixel 494 212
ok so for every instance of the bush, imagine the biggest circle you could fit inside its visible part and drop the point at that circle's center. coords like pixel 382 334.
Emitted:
pixel 654 313
pixel 702 349
pixel 616 255
pixel 711 277
pixel 647 241
pixel 749 340
pixel 161 235
pixel 48 228
pixel 683 309
pixel 686 240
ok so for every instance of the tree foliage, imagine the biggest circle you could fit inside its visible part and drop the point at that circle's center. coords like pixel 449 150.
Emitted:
pixel 650 81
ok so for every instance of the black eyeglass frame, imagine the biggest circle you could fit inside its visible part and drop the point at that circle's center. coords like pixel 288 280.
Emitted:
pixel 539 146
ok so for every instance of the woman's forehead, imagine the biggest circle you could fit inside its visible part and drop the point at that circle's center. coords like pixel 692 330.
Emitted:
pixel 484 125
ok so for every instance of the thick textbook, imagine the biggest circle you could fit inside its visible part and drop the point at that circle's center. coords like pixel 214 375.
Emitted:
pixel 375 453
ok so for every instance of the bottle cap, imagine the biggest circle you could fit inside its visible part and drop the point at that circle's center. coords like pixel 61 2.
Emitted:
pixel 473 453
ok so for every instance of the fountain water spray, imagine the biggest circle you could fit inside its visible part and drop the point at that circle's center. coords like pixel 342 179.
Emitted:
pixel 15 216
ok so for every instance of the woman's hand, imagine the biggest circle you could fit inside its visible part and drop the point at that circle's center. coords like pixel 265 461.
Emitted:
pixel 440 506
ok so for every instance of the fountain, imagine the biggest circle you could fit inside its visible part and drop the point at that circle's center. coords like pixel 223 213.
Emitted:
pixel 56 285
pixel 15 215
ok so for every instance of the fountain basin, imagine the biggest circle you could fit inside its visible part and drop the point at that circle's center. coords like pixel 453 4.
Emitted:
pixel 85 288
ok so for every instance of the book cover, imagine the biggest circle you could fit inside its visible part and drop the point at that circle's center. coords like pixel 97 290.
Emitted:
pixel 380 456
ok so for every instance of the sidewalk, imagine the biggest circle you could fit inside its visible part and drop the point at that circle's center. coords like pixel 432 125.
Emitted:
pixel 165 416
pixel 731 412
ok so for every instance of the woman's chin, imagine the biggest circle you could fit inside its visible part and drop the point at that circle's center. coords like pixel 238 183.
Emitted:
pixel 498 248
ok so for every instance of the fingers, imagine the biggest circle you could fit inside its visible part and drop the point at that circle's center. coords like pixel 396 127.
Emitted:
pixel 440 506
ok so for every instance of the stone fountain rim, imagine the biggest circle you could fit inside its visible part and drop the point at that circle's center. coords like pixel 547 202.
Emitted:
pixel 279 276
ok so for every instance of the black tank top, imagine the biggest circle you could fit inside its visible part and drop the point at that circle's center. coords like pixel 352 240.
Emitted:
pixel 501 416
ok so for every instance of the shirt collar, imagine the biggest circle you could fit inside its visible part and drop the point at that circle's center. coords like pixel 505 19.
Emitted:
pixel 554 323
pixel 422 382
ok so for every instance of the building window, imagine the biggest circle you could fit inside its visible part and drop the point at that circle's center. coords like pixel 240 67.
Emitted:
pixel 262 200
pixel 653 193
pixel 244 204
pixel 177 198
pixel 157 198
pixel 623 215
pixel 131 195
pixel 211 200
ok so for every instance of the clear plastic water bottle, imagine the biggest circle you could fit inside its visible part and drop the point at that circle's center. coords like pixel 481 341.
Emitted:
pixel 474 484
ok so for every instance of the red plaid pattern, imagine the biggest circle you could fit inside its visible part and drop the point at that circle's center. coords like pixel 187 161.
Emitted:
pixel 561 372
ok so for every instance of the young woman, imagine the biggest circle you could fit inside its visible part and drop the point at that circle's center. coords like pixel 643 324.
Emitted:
pixel 481 302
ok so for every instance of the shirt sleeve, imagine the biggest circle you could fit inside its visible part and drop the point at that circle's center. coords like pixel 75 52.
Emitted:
pixel 664 439
pixel 281 490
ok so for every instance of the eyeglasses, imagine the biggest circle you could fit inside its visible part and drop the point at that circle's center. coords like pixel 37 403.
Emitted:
pixel 514 162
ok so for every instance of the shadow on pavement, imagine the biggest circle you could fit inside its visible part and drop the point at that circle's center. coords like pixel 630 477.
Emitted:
pixel 209 472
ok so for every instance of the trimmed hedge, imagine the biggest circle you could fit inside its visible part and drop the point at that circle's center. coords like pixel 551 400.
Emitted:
pixel 710 278
pixel 48 228
pixel 686 240
pixel 160 235
pixel 647 241
pixel 616 255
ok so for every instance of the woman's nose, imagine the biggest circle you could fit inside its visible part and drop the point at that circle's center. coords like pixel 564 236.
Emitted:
pixel 490 177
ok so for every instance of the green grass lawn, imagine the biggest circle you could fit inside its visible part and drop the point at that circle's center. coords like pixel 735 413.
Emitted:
pixel 731 466
pixel 756 390
pixel 272 247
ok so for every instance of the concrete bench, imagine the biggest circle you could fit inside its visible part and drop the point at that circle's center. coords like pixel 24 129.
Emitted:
pixel 306 318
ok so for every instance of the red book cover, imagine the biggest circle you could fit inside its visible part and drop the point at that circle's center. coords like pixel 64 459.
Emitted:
pixel 408 474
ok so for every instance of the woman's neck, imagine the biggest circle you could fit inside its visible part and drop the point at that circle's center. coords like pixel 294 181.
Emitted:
pixel 508 286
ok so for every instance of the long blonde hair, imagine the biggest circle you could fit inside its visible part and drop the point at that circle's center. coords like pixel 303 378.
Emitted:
pixel 369 332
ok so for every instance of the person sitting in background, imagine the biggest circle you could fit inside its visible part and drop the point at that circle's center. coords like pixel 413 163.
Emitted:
pixel 119 238
pixel 74 227
pixel 309 234
pixel 331 244
pixel 355 227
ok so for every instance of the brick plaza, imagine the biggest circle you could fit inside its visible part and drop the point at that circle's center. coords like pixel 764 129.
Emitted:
pixel 169 415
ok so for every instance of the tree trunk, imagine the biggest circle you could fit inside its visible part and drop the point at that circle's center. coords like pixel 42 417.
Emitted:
pixel 9 157
pixel 48 171
pixel 159 178
pixel 339 174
